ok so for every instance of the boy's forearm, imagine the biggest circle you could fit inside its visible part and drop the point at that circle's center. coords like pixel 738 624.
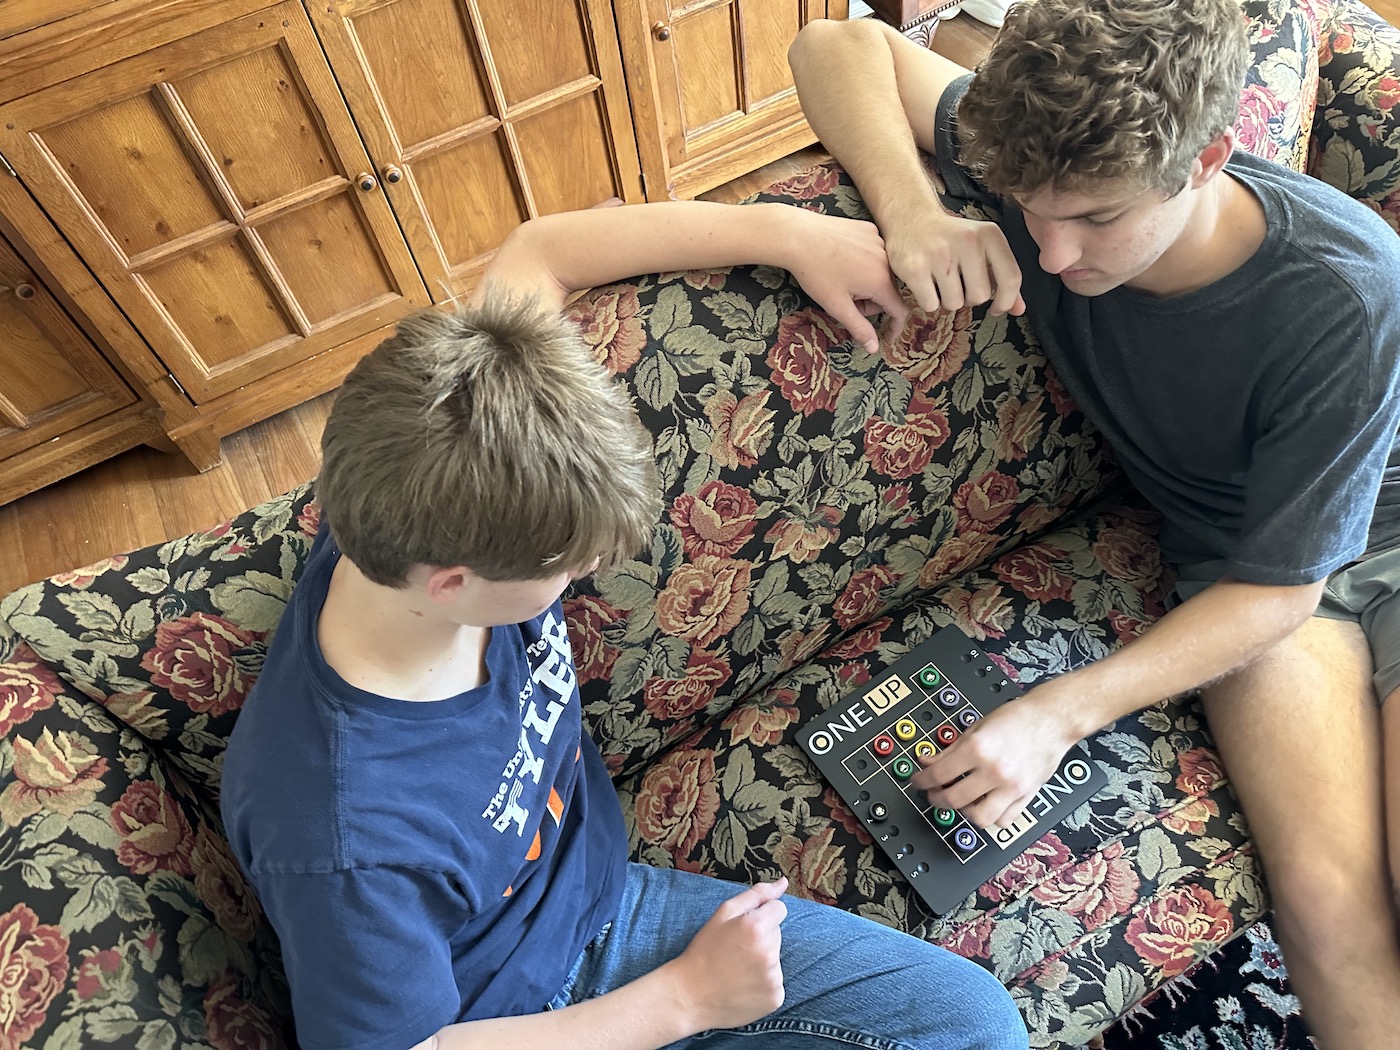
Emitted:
pixel 556 255
pixel 1220 630
pixel 648 1013
pixel 850 94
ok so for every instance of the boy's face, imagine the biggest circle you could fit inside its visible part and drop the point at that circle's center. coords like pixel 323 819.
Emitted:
pixel 1110 236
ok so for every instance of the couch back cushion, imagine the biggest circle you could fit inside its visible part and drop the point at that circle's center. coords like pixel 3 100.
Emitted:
pixel 808 485
pixel 1356 126
pixel 170 638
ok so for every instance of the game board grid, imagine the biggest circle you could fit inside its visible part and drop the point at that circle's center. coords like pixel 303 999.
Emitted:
pixel 948 707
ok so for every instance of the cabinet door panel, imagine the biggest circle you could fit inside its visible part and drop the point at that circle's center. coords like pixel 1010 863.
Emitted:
pixel 219 302
pixel 482 113
pixel 124 162
pixel 564 153
pixel 715 73
pixel 768 29
pixel 471 192
pixel 707 64
pixel 536 45
pixel 52 379
pixel 213 184
pixel 401 47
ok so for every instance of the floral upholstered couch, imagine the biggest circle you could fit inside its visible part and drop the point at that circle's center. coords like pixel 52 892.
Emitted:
pixel 826 510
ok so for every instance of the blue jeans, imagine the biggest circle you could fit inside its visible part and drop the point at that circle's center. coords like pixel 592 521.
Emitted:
pixel 848 981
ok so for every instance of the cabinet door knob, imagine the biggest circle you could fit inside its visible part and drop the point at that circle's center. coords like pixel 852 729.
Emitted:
pixel 661 31
pixel 392 174
pixel 366 181
pixel 24 291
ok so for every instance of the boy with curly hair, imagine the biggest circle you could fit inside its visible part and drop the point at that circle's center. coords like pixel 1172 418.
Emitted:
pixel 409 787
pixel 1233 328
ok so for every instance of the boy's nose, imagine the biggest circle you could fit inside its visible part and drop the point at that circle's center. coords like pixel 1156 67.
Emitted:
pixel 1059 249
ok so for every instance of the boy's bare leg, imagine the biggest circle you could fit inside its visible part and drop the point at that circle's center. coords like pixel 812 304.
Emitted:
pixel 1300 733
pixel 1390 715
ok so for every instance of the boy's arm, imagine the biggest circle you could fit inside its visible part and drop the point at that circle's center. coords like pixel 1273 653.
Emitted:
pixel 841 263
pixel 871 95
pixel 1014 751
pixel 729 975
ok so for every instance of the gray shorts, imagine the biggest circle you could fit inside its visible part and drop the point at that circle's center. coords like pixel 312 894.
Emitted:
pixel 1364 592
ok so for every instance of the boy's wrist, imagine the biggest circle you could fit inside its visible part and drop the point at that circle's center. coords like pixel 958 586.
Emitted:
pixel 776 233
pixel 676 1005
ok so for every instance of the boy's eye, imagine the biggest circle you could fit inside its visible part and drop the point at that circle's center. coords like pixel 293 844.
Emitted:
pixel 1103 222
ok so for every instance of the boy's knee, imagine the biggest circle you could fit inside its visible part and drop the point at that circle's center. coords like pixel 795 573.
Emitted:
pixel 1327 910
pixel 991 1020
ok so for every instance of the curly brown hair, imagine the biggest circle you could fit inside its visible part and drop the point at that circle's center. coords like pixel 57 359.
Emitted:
pixel 1077 92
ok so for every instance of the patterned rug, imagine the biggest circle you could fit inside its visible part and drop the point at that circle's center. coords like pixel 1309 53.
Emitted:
pixel 1237 999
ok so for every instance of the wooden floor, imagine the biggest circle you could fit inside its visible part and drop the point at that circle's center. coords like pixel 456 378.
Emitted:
pixel 145 496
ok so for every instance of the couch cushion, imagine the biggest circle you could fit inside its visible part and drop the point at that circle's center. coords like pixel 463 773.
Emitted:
pixel 1356 127
pixel 1280 89
pixel 124 920
pixel 1126 893
pixel 170 638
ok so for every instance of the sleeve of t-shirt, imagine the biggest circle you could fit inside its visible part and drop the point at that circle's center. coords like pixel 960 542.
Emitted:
pixel 960 188
pixel 367 954
pixel 1315 474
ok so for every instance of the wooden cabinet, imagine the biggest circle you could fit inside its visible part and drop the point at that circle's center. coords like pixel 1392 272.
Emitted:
pixel 711 86
pixel 479 116
pixel 220 192
pixel 232 200
pixel 58 395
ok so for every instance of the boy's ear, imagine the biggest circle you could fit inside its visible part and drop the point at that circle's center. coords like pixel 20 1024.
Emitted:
pixel 447 584
pixel 1212 159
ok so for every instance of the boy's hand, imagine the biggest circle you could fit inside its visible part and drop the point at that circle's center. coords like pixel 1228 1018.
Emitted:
pixel 730 974
pixel 1002 761
pixel 949 262
pixel 841 263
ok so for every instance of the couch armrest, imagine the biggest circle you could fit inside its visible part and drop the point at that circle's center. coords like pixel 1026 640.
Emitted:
pixel 1356 129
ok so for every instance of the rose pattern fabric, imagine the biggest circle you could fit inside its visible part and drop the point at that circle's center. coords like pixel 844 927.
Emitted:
pixel 826 509
pixel 124 920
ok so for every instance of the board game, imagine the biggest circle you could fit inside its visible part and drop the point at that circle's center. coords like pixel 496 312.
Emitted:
pixel 867 746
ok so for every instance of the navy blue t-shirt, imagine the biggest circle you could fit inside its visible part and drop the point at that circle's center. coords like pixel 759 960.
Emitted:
pixel 1258 413
pixel 421 862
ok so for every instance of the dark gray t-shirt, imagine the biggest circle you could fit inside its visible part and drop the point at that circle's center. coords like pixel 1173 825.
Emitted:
pixel 1258 413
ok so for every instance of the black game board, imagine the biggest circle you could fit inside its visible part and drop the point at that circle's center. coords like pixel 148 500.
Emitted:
pixel 867 747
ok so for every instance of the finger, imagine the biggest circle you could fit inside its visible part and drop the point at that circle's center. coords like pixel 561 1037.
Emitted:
pixel 967 791
pixel 977 285
pixel 772 912
pixel 924 291
pixel 950 291
pixel 1006 275
pixel 989 810
pixel 896 310
pixel 862 331
pixel 941 769
pixel 1020 306
pixel 1013 813
pixel 754 897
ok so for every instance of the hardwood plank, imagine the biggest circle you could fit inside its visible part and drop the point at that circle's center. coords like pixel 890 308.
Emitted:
pixel 1387 9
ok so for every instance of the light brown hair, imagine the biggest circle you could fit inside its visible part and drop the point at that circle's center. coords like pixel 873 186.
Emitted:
pixel 1077 92
pixel 489 438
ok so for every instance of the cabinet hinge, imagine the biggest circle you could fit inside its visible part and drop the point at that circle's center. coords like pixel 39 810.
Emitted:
pixel 13 174
pixel 171 376
pixel 646 189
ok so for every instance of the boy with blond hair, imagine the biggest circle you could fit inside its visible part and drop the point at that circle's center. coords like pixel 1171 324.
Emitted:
pixel 1233 327
pixel 409 787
